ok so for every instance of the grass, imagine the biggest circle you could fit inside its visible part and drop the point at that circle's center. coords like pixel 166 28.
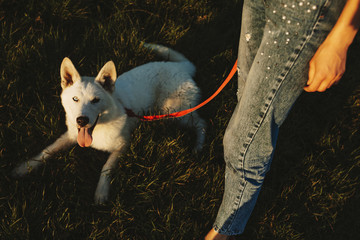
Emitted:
pixel 160 190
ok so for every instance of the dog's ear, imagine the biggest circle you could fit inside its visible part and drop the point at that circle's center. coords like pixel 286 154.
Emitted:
pixel 107 76
pixel 68 73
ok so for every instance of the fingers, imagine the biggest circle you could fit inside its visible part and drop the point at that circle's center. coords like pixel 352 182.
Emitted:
pixel 319 85
pixel 320 81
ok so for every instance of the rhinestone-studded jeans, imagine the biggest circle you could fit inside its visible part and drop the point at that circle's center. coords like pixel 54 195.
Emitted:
pixel 278 39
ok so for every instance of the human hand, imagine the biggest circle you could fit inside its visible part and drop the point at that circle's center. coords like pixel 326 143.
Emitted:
pixel 326 67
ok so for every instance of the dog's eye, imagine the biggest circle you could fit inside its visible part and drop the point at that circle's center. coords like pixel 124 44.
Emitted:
pixel 76 99
pixel 95 100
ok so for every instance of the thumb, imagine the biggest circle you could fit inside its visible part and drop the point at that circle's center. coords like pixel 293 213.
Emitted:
pixel 311 74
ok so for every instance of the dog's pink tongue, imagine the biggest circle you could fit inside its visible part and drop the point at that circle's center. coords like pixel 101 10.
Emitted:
pixel 84 137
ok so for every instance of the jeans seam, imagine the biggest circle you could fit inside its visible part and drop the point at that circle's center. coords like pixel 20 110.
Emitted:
pixel 239 198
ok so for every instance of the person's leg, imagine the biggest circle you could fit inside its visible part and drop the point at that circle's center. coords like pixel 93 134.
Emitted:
pixel 252 31
pixel 252 26
pixel 278 73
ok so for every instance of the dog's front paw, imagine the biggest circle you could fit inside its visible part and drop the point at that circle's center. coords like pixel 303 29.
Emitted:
pixel 102 190
pixel 19 171
pixel 25 168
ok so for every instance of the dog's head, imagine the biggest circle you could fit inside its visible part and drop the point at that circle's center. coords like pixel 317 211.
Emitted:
pixel 85 99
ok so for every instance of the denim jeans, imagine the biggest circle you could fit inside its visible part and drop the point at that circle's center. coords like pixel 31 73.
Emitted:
pixel 278 39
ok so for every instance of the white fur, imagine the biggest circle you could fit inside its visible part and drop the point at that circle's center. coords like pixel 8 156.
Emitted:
pixel 154 87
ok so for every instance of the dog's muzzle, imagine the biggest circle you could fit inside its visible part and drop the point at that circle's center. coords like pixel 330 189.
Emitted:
pixel 84 138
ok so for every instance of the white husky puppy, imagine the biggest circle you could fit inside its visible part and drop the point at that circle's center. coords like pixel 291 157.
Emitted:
pixel 95 107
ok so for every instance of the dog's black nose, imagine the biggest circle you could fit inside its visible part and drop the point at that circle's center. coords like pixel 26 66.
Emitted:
pixel 82 121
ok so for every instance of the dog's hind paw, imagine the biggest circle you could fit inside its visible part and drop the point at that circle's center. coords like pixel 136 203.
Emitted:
pixel 198 149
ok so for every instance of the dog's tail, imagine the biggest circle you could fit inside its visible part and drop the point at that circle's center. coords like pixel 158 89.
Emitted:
pixel 171 55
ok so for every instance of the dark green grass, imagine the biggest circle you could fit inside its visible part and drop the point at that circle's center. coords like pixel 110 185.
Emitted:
pixel 160 190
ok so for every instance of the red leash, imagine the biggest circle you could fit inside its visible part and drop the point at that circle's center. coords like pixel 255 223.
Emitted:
pixel 130 113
